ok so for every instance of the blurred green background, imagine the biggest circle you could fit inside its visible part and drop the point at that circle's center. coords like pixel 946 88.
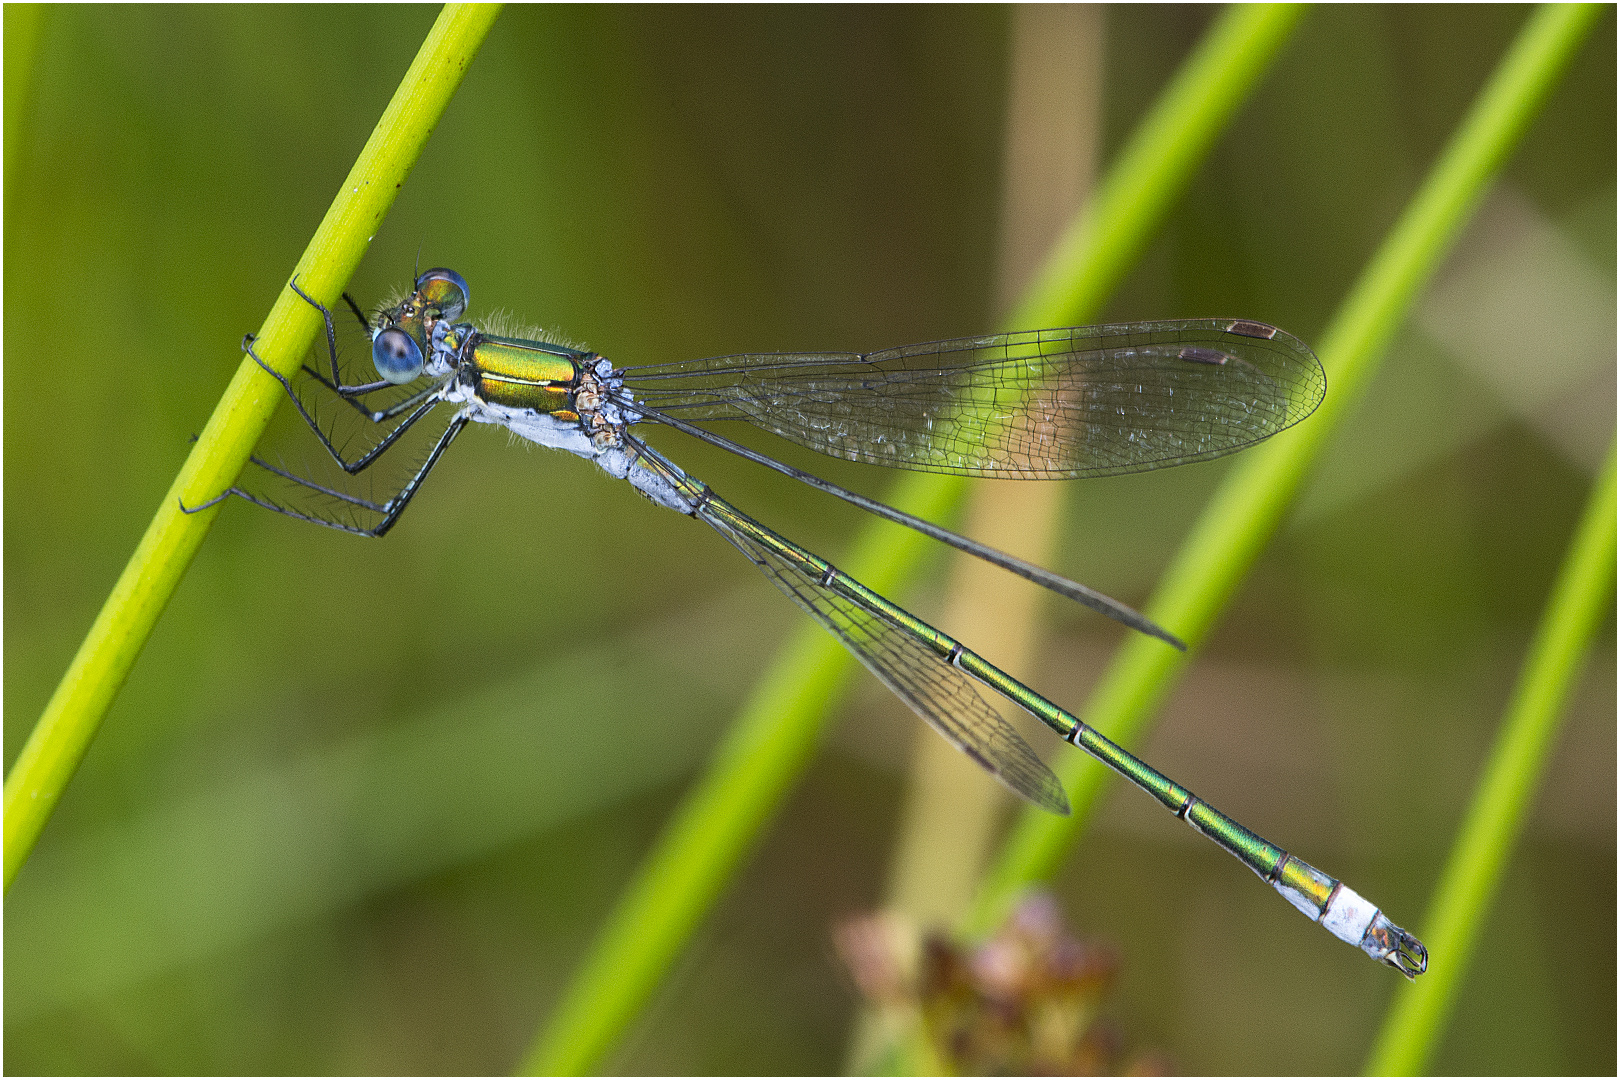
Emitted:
pixel 361 806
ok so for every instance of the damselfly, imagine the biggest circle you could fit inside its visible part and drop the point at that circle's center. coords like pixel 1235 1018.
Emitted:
pixel 1045 404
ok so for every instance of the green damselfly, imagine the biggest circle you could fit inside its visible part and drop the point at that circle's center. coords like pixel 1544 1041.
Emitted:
pixel 1047 404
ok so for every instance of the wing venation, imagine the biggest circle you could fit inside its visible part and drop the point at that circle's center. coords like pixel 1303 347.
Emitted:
pixel 1083 401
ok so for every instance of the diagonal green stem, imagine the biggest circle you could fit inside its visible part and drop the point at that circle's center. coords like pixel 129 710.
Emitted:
pixel 62 735
pixel 1250 503
pixel 1417 1017
pixel 773 739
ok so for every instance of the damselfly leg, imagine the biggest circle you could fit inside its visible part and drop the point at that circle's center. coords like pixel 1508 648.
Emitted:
pixel 386 513
pixel 378 439
pixel 348 393
pixel 421 403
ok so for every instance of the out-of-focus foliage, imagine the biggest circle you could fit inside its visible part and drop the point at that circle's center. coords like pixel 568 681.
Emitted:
pixel 361 804
pixel 1026 1001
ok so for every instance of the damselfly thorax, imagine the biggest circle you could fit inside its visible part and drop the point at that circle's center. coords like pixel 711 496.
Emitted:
pixel 553 395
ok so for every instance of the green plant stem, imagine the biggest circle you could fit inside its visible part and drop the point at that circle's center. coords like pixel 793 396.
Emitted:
pixel 1495 818
pixel 23 25
pixel 1251 501
pixel 773 738
pixel 71 718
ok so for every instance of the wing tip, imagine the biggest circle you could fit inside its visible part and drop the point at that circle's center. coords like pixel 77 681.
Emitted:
pixel 1060 804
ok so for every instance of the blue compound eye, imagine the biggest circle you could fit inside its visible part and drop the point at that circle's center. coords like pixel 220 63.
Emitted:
pixel 397 355
pixel 445 290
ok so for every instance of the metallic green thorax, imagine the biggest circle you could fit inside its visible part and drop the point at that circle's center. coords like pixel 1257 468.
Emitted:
pixel 526 374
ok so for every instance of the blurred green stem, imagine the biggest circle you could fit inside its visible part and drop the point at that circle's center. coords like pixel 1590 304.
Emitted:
pixel 23 23
pixel 771 741
pixel 62 735
pixel 1251 501
pixel 1418 1015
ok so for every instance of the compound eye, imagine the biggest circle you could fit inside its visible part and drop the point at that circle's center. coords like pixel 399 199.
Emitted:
pixel 445 290
pixel 397 355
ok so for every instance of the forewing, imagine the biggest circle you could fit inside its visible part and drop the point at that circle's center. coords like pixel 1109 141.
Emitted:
pixel 939 692
pixel 1083 401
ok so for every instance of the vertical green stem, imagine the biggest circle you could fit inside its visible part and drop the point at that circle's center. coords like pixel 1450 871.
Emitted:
pixel 71 718
pixel 1495 817
pixel 23 25
pixel 1250 503
pixel 772 740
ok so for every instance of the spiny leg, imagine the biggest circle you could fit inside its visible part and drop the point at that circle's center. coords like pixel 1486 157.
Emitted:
pixel 365 323
pixel 377 416
pixel 349 394
pixel 423 400
pixel 402 498
pixel 336 385
pixel 389 509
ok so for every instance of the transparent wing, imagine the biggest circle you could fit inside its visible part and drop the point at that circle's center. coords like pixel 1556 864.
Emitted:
pixel 295 468
pixel 1083 401
pixel 939 692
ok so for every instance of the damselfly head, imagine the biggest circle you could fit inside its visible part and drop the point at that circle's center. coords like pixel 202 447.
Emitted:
pixel 405 332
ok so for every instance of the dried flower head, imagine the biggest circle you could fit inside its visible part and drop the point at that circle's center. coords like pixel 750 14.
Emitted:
pixel 1025 1001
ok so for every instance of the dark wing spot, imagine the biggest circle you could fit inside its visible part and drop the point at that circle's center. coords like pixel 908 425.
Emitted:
pixel 1252 329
